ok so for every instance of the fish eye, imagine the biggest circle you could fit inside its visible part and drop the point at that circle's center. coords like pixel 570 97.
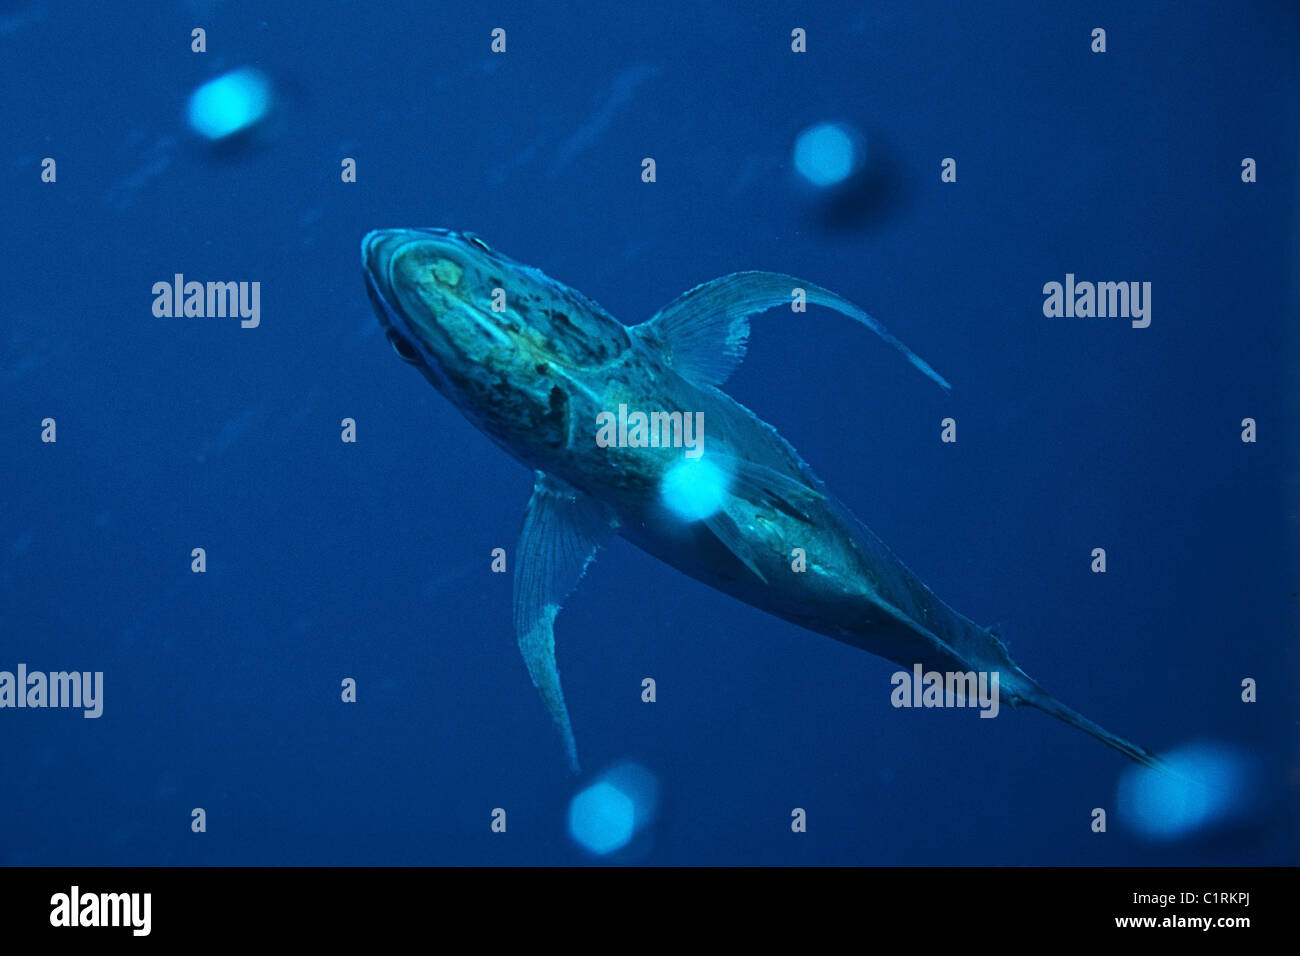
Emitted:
pixel 404 349
pixel 478 242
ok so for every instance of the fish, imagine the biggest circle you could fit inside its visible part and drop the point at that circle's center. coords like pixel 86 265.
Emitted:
pixel 537 367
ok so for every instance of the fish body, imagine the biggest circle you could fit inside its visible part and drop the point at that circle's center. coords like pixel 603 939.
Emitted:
pixel 537 365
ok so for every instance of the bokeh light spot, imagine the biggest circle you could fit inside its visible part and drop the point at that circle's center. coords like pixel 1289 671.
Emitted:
pixel 605 816
pixel 826 154
pixel 694 489
pixel 602 818
pixel 230 104
pixel 1206 788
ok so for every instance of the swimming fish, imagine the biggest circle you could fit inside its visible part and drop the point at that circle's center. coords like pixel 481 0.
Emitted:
pixel 544 372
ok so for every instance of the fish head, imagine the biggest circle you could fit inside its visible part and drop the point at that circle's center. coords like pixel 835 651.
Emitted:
pixel 500 339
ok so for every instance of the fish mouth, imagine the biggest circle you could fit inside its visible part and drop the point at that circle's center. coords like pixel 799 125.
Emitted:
pixel 379 248
pixel 435 272
pixel 380 251
pixel 373 264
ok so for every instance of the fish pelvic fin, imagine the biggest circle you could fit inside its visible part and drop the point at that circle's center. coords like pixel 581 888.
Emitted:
pixel 563 530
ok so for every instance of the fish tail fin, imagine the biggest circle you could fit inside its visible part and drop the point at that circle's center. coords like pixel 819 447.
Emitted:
pixel 1026 690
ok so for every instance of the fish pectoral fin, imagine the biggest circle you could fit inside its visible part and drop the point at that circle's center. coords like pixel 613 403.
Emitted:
pixel 703 333
pixel 724 528
pixel 563 530
pixel 766 486
pixel 756 488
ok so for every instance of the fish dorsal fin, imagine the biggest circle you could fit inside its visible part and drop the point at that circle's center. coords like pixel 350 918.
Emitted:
pixel 702 334
pixel 563 530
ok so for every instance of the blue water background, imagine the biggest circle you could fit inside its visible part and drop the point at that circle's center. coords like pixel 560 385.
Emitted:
pixel 328 560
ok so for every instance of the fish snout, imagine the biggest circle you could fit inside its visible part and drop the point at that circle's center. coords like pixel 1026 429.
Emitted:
pixel 377 250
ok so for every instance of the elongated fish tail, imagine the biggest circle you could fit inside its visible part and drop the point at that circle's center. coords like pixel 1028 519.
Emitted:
pixel 1026 690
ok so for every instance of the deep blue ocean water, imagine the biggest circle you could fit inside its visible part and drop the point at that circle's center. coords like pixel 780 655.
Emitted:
pixel 328 560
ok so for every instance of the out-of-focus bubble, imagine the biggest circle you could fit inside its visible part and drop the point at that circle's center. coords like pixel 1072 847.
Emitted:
pixel 1209 787
pixel 828 154
pixel 230 104
pixel 605 816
